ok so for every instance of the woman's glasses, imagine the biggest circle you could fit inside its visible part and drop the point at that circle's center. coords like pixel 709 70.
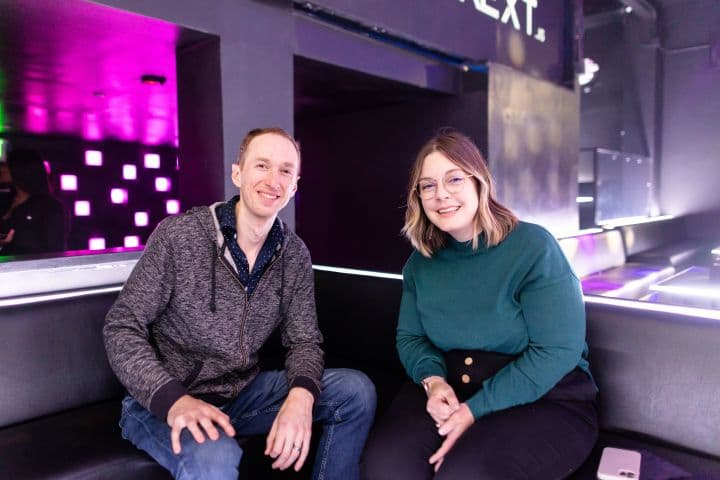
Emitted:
pixel 453 183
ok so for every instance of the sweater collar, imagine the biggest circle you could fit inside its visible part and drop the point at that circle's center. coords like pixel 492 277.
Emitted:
pixel 454 248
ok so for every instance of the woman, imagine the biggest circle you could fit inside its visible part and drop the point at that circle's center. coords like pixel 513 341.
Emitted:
pixel 35 220
pixel 491 332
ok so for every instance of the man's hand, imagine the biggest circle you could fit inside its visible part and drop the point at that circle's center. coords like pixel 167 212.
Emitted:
pixel 452 429
pixel 196 415
pixel 289 439
pixel 442 401
pixel 6 239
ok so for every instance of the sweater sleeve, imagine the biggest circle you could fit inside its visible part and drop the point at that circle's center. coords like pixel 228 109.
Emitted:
pixel 300 332
pixel 551 302
pixel 126 332
pixel 418 355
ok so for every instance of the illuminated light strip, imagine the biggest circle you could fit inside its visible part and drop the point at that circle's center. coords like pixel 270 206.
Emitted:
pixel 654 307
pixel 362 273
pixel 621 222
pixel 715 251
pixel 579 233
pixel 699 292
pixel 49 297
pixel 583 199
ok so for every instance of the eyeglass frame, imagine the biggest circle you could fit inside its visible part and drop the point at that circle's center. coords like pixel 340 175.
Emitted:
pixel 453 189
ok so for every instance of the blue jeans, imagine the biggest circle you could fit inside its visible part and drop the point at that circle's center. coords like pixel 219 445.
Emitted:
pixel 345 408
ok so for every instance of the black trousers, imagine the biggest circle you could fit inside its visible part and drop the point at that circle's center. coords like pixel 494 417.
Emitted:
pixel 543 440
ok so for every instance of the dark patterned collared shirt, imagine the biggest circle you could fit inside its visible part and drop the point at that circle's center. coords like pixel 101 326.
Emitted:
pixel 225 213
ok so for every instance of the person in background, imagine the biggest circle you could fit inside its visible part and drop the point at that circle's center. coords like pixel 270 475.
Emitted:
pixel 35 221
pixel 6 190
pixel 491 332
pixel 184 335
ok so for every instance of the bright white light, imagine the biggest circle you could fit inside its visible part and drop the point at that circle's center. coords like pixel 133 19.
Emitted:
pixel 142 219
pixel 628 9
pixel 621 222
pixel 584 199
pixel 93 158
pixel 82 208
pixel 129 172
pixel 68 182
pixel 96 243
pixel 152 160
pixel 579 233
pixel 590 68
pixel 118 195
pixel 162 184
pixel 654 307
pixel 363 273
pixel 172 207
pixel 28 300
pixel 131 241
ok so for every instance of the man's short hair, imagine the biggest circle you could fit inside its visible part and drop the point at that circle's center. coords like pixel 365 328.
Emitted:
pixel 263 131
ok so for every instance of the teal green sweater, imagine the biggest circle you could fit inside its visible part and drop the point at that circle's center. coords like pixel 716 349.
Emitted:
pixel 519 297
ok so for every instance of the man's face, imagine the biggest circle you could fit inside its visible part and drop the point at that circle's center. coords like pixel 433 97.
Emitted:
pixel 268 176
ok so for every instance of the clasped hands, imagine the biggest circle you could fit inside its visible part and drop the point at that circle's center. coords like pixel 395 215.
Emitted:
pixel 288 442
pixel 451 417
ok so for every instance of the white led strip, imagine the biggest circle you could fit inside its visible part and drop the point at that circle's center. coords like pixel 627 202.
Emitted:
pixel 655 307
pixel 363 273
pixel 631 304
pixel 49 297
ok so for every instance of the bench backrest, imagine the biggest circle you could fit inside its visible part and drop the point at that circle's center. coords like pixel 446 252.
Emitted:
pixel 52 357
pixel 658 374
pixel 594 252
pixel 646 236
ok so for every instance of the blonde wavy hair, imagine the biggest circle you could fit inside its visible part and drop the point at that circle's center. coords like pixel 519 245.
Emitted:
pixel 492 218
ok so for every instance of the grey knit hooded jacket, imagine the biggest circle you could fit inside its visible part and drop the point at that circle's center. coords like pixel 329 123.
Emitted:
pixel 183 323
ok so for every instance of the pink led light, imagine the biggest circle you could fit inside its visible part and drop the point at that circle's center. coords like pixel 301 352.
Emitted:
pixel 93 158
pixel 48 170
pixel 96 243
pixel 152 160
pixel 131 241
pixel 68 182
pixel 162 184
pixel 129 172
pixel 118 195
pixel 142 219
pixel 172 207
pixel 82 208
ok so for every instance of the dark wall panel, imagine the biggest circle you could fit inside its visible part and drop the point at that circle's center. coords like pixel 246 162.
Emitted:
pixel 350 203
pixel 690 143
pixel 533 148
pixel 530 39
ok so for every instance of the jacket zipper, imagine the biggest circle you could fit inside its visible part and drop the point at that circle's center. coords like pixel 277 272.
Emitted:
pixel 243 355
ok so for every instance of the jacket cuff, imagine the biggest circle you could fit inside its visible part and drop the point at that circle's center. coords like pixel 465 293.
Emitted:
pixel 308 384
pixel 165 397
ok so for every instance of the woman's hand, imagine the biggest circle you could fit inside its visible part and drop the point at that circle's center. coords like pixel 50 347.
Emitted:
pixel 452 429
pixel 442 401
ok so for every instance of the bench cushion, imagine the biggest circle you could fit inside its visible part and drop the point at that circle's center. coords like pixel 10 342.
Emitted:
pixel 632 280
pixel 80 443
pixel 594 252
pixel 678 255
pixel 698 466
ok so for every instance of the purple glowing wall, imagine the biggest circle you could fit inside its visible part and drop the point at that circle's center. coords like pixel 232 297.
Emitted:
pixel 103 192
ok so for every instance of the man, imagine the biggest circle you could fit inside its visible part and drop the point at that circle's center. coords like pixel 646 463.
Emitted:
pixel 184 334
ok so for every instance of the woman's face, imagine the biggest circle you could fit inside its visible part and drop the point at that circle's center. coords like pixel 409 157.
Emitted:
pixel 452 211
